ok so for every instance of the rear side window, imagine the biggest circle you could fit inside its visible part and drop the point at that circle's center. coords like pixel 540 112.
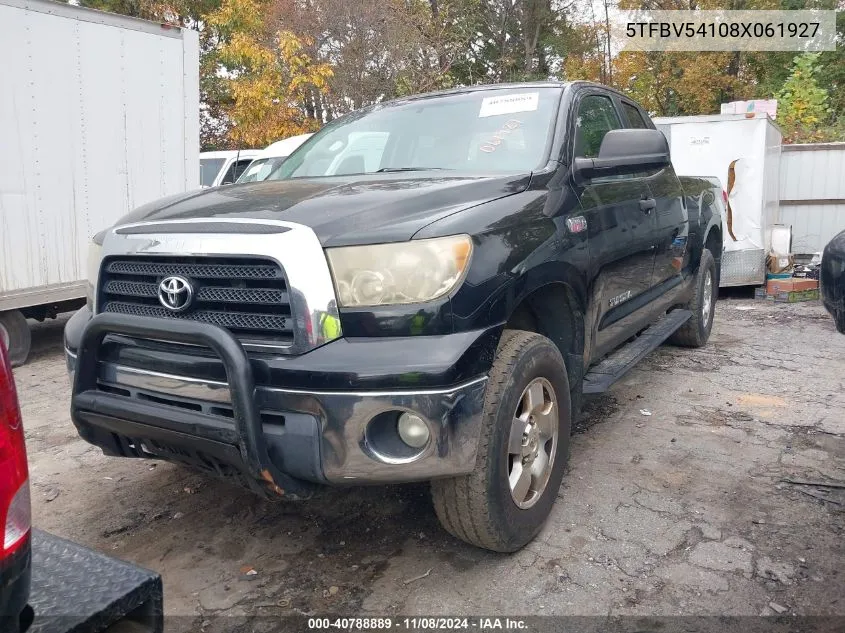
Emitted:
pixel 596 117
pixel 635 119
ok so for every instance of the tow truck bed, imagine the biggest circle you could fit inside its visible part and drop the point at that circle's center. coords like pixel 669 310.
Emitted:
pixel 77 590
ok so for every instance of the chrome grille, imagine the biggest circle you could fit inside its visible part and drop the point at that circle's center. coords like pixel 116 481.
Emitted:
pixel 248 296
pixel 208 271
pixel 268 296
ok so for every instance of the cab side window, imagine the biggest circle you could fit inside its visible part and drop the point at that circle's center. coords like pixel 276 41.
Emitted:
pixel 235 170
pixel 635 119
pixel 240 168
pixel 596 117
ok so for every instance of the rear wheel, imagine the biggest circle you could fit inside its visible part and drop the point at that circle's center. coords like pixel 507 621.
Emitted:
pixel 696 331
pixel 522 451
pixel 15 336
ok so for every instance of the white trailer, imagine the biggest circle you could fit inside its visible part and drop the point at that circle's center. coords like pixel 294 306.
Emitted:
pixel 99 113
pixel 748 146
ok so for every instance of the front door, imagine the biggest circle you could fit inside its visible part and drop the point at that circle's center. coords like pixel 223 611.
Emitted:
pixel 621 233
pixel 670 213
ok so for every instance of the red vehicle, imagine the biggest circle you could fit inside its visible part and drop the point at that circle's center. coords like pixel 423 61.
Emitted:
pixel 15 514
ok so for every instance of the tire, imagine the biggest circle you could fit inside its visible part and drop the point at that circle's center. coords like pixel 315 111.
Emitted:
pixel 696 331
pixel 480 508
pixel 15 335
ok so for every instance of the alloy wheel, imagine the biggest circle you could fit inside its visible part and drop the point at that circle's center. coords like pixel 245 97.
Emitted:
pixel 533 442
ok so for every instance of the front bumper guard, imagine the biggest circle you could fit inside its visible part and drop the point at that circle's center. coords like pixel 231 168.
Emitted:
pixel 92 406
pixel 324 439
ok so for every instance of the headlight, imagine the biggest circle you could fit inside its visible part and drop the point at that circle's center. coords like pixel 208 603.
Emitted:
pixel 95 256
pixel 405 272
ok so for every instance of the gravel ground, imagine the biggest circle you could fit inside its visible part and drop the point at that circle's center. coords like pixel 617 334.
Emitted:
pixel 678 501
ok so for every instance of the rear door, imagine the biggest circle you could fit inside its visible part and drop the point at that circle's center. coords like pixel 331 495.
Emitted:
pixel 620 233
pixel 671 222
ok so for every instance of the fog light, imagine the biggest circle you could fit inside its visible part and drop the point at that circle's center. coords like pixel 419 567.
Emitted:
pixel 413 430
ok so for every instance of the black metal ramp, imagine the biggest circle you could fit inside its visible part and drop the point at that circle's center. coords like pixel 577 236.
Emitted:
pixel 77 590
pixel 602 376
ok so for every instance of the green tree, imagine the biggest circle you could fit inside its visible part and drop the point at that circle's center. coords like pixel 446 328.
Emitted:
pixel 803 109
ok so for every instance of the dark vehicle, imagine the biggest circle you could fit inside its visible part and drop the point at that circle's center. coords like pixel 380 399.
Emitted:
pixel 832 279
pixel 422 291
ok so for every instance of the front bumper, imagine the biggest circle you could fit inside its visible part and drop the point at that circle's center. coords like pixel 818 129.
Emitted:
pixel 275 439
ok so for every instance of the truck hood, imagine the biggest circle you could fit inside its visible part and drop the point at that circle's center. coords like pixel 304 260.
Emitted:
pixel 341 211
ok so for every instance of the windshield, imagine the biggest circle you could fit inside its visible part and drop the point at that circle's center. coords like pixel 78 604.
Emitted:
pixel 209 168
pixel 482 131
pixel 260 168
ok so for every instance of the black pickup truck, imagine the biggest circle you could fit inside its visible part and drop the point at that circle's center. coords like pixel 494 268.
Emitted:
pixel 422 291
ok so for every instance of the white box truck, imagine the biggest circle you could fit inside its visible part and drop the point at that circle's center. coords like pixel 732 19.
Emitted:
pixel 99 113
pixel 743 152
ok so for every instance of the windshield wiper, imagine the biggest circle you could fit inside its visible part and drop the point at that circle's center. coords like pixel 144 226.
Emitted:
pixel 391 169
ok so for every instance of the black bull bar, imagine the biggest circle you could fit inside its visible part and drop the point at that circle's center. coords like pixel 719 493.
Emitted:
pixel 239 441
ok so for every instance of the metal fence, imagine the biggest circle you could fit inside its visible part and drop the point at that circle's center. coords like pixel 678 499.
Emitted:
pixel 812 193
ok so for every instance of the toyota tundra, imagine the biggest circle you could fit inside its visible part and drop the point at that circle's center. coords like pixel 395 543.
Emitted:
pixel 422 292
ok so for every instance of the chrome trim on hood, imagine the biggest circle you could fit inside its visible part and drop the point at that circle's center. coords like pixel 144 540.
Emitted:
pixel 297 250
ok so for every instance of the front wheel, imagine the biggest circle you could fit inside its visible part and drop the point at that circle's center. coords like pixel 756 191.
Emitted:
pixel 696 331
pixel 522 451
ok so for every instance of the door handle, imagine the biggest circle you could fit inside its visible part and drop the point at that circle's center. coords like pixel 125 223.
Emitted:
pixel 647 204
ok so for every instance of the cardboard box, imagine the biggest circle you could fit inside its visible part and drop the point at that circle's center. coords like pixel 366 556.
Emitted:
pixel 777 286
pixel 778 264
pixel 796 296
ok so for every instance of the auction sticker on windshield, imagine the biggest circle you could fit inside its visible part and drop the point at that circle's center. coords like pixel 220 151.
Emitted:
pixel 509 104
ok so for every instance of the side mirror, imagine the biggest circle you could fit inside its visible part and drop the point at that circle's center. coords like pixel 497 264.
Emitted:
pixel 625 152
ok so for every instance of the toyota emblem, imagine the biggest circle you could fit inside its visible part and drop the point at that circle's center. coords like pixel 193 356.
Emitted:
pixel 175 293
